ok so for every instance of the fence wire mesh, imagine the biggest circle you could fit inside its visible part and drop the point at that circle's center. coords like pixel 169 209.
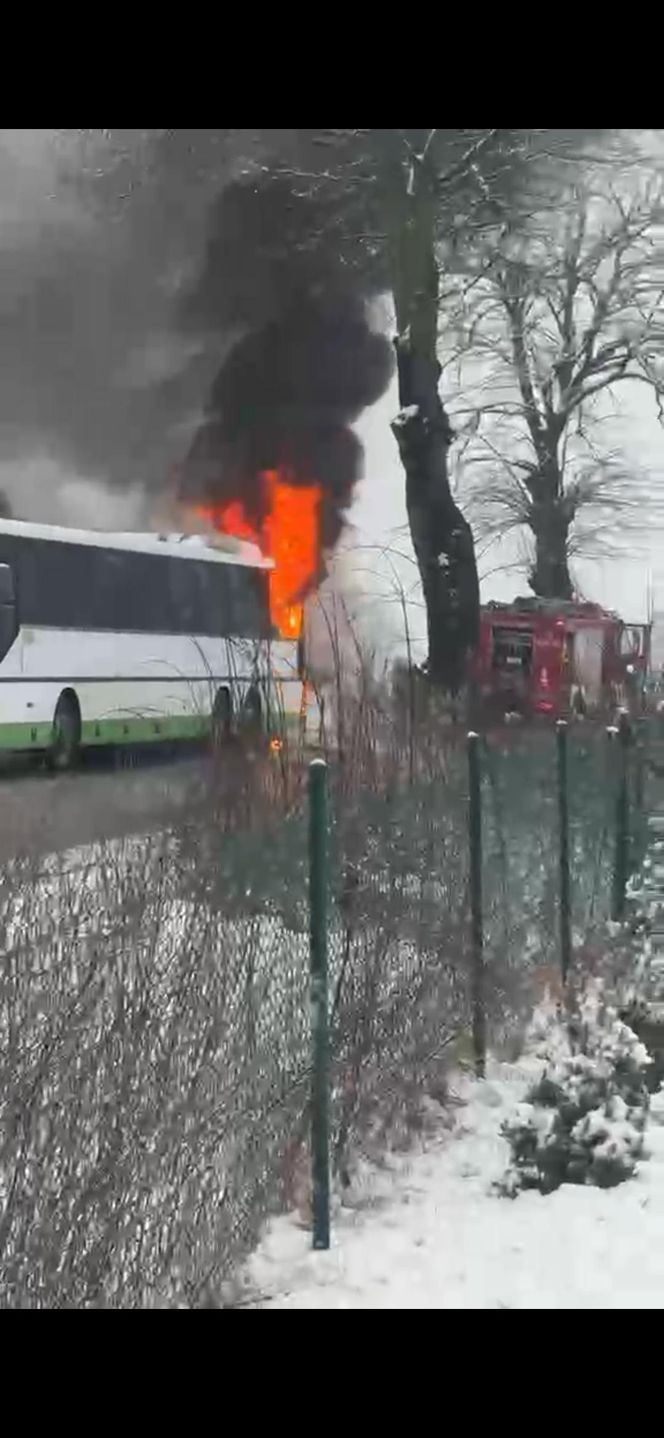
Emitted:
pixel 155 1051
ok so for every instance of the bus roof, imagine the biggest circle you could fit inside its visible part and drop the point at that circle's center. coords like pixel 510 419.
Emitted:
pixel 216 547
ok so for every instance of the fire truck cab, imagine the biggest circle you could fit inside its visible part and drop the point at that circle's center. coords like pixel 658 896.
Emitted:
pixel 559 658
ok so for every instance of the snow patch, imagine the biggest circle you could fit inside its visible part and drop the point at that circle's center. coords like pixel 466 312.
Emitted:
pixel 440 1238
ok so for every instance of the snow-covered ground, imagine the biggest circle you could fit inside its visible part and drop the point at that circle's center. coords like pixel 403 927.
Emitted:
pixel 432 1234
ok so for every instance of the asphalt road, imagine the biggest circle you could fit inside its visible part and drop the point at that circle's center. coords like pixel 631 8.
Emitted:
pixel 107 797
pixel 120 793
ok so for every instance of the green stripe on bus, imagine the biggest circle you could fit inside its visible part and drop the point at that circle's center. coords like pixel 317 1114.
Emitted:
pixel 25 736
pixel 126 731
pixel 144 731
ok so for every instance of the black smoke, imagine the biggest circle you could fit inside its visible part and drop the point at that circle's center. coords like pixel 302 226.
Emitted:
pixel 282 273
pixel 162 316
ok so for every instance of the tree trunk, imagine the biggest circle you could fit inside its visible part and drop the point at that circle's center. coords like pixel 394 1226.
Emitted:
pixel 550 522
pixel 442 538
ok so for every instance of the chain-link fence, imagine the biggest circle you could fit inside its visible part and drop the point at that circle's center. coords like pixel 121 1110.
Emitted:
pixel 155 1045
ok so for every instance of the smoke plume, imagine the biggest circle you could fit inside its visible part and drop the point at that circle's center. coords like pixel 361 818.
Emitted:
pixel 306 364
pixel 210 326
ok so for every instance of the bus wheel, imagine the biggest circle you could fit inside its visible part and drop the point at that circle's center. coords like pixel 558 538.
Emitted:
pixel 221 719
pixel 66 739
pixel 251 721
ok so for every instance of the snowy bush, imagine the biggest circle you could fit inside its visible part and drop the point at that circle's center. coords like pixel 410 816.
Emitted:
pixel 584 1117
pixel 642 997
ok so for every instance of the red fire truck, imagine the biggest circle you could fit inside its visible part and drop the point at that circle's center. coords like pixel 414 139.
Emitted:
pixel 549 657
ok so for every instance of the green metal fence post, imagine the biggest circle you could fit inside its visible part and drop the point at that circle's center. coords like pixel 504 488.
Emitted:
pixel 639 752
pixel 621 856
pixel 638 847
pixel 476 913
pixel 320 1091
pixel 565 908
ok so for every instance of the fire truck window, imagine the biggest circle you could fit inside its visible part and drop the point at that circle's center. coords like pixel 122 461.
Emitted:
pixel 512 651
pixel 630 642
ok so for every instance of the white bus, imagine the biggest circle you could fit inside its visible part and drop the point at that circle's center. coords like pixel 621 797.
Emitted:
pixel 112 639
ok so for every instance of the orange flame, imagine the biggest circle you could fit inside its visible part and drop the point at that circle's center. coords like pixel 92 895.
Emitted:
pixel 289 534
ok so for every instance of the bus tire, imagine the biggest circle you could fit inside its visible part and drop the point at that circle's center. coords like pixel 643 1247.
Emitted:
pixel 66 741
pixel 251 721
pixel 222 719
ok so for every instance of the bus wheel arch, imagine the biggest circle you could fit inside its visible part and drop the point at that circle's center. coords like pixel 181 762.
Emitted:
pixel 66 740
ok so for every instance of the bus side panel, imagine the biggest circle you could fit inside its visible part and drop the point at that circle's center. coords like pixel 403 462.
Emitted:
pixel 130 687
pixel 18 716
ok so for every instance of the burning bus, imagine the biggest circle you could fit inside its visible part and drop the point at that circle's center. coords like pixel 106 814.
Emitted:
pixel 122 639
pixel 555 658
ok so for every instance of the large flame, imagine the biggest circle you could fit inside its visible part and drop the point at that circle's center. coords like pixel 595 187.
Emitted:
pixel 290 534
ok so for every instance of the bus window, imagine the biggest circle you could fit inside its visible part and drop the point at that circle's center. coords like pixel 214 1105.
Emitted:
pixel 8 620
pixel 213 599
pixel 183 597
pixel 6 585
pixel 108 595
pixel 250 603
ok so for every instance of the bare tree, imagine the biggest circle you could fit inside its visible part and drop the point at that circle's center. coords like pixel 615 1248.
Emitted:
pixel 424 185
pixel 554 314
